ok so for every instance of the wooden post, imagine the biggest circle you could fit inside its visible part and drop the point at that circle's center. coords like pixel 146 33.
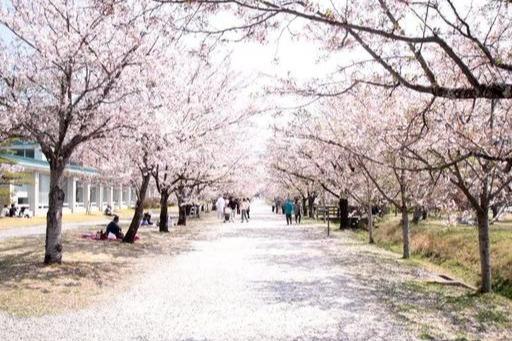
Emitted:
pixel 328 224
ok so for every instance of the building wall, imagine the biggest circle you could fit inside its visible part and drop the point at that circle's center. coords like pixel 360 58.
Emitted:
pixel 80 196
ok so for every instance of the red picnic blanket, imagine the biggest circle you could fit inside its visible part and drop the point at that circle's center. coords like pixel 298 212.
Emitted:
pixel 96 236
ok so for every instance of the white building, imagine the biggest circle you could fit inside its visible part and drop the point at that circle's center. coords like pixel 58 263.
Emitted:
pixel 80 194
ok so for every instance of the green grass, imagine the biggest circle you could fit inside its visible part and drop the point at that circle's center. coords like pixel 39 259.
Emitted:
pixel 452 248
pixel 491 316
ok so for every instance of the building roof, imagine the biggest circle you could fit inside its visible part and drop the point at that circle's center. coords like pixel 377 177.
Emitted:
pixel 44 165
pixel 22 144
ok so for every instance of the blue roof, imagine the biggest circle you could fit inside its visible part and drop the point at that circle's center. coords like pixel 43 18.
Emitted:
pixel 21 143
pixel 42 164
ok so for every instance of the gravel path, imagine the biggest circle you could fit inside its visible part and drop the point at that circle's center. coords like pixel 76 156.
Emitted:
pixel 256 281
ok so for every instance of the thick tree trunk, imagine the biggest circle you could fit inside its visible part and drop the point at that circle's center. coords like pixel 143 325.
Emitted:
pixel 304 206
pixel 53 247
pixel 164 216
pixel 370 224
pixel 311 203
pixel 182 212
pixel 343 208
pixel 139 210
pixel 182 216
pixel 485 250
pixel 405 232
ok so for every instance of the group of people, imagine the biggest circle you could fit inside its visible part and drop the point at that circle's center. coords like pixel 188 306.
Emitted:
pixel 228 208
pixel 290 208
pixel 13 211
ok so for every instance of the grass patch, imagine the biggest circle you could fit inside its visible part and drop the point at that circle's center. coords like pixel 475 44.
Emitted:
pixel 490 316
pixel 453 248
pixel 466 310
pixel 91 270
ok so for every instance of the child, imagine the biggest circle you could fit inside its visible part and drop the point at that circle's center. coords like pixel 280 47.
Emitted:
pixel 227 213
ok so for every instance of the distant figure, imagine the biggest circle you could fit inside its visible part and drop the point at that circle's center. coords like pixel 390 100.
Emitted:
pixel 5 211
pixel 219 206
pixel 244 206
pixel 113 227
pixel 278 204
pixel 232 206
pixel 248 208
pixel 146 219
pixel 12 211
pixel 108 210
pixel 298 211
pixel 21 213
pixel 227 214
pixel 288 210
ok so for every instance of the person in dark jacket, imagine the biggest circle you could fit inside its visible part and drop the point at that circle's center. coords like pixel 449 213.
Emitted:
pixel 298 211
pixel 232 205
pixel 113 227
pixel 12 211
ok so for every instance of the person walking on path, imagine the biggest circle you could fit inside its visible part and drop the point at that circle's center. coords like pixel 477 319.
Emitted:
pixel 298 211
pixel 243 209
pixel 248 208
pixel 288 210
pixel 227 213
pixel 232 206
pixel 278 204
pixel 219 206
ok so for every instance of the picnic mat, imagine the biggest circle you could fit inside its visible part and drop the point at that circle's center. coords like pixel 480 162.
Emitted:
pixel 94 236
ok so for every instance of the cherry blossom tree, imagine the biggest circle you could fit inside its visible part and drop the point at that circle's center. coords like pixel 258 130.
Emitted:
pixel 471 142
pixel 68 71
pixel 443 48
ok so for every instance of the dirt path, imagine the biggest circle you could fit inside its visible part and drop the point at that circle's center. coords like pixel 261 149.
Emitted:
pixel 266 281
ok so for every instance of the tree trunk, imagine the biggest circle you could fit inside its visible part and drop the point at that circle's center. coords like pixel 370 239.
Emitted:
pixel 182 215
pixel 53 247
pixel 485 250
pixel 370 224
pixel 405 232
pixel 311 203
pixel 304 206
pixel 182 212
pixel 343 208
pixel 139 210
pixel 164 216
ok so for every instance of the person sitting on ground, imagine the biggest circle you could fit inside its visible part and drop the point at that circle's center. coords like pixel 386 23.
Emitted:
pixel 146 220
pixel 108 210
pixel 113 227
pixel 5 211
pixel 12 211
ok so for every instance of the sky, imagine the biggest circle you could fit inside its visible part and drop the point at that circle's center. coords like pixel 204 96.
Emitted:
pixel 264 65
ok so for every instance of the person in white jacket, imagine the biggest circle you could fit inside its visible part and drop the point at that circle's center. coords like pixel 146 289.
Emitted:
pixel 219 206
